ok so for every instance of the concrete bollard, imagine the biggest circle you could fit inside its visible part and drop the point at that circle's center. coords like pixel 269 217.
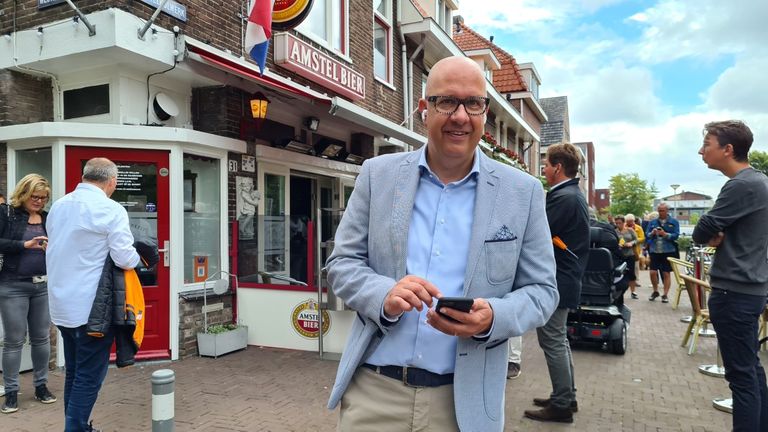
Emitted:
pixel 163 400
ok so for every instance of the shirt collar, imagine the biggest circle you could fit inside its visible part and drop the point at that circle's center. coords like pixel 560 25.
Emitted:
pixel 560 184
pixel 474 171
pixel 90 186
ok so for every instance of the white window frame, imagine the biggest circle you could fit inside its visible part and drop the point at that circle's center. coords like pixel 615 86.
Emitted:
pixel 385 21
pixel 326 41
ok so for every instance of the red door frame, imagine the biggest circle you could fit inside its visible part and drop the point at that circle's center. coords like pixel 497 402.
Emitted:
pixel 156 342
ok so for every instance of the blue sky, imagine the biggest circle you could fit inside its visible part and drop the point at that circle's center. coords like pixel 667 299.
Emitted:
pixel 642 77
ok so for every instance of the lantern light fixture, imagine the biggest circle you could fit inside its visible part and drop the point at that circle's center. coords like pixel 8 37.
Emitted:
pixel 259 104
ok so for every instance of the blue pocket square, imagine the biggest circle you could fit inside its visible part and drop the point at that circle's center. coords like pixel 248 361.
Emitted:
pixel 503 234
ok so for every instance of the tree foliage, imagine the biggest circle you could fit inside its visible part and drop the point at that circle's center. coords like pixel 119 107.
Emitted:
pixel 759 161
pixel 631 194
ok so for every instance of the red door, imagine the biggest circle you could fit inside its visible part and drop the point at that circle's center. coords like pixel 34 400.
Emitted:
pixel 142 188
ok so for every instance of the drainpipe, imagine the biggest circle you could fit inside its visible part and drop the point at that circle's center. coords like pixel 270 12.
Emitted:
pixel 404 54
pixel 410 80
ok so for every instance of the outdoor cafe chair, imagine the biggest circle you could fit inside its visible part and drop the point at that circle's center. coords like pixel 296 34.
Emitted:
pixel 700 315
pixel 679 267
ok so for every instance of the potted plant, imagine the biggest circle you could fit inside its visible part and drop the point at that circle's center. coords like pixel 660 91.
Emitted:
pixel 219 339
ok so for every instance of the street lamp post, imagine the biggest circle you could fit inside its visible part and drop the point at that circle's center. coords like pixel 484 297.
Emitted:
pixel 674 204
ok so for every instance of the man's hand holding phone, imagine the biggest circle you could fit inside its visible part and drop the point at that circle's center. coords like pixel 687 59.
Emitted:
pixel 409 293
pixel 450 318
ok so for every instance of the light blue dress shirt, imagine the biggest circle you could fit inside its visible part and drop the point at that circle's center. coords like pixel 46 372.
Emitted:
pixel 438 247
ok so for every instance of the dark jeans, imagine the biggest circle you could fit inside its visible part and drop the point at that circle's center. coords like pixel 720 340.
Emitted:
pixel 735 319
pixel 87 360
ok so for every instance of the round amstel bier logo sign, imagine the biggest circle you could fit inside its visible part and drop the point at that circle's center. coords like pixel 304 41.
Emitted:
pixel 288 14
pixel 304 319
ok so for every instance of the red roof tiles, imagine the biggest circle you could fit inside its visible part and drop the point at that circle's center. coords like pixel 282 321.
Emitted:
pixel 507 79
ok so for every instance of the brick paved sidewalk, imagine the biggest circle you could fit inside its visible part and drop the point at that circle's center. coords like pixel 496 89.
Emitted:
pixel 656 386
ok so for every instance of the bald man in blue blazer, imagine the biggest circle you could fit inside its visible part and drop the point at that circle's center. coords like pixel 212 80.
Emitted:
pixel 442 221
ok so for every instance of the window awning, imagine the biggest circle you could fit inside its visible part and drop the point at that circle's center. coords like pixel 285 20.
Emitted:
pixel 229 63
pixel 339 107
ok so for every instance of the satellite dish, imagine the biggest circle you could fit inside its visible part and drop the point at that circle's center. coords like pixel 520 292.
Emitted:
pixel 164 107
pixel 221 286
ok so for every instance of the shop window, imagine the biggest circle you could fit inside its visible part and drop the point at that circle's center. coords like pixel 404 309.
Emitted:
pixel 202 218
pixel 274 223
pixel 327 24
pixel 86 101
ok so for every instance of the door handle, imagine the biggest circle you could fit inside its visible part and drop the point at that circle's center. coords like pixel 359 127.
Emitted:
pixel 166 251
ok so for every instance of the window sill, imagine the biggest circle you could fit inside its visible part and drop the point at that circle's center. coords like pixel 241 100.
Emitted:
pixel 384 83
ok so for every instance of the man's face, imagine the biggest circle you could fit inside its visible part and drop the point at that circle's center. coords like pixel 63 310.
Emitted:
pixel 712 153
pixel 454 136
pixel 663 212
pixel 550 172
pixel 631 223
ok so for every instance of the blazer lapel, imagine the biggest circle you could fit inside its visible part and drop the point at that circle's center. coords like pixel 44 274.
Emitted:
pixel 487 189
pixel 402 208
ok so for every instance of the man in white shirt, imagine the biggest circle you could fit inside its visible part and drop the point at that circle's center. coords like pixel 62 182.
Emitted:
pixel 83 227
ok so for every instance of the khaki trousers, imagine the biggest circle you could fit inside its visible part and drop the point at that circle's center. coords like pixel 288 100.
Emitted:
pixel 378 403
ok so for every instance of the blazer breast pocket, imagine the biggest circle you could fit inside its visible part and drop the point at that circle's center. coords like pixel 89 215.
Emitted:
pixel 501 260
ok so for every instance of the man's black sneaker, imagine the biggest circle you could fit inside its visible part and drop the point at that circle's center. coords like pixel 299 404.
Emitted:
pixel 11 404
pixel 91 428
pixel 664 299
pixel 43 395
pixel 653 296
pixel 635 296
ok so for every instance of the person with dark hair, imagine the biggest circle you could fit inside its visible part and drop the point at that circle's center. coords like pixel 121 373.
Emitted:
pixel 568 217
pixel 84 227
pixel 23 288
pixel 736 225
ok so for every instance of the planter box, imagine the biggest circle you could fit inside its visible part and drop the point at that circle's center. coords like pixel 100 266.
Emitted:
pixel 216 344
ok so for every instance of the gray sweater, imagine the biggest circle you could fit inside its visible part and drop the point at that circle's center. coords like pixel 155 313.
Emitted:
pixel 741 213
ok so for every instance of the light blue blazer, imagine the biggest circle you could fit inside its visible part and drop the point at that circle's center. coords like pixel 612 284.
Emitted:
pixel 516 276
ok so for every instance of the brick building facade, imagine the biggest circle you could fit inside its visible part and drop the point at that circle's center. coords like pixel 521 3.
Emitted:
pixel 225 195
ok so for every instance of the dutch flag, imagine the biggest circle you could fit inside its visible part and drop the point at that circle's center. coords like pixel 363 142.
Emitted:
pixel 259 31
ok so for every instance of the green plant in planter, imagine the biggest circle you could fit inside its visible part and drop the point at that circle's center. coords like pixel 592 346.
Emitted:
pixel 221 328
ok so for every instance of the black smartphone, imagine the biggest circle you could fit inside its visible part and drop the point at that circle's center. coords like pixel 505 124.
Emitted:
pixel 463 304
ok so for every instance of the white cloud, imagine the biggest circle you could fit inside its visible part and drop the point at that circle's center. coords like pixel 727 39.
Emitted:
pixel 608 74
pixel 742 87
pixel 702 29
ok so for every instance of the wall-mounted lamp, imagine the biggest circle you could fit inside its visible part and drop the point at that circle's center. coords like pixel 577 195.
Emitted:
pixel 7 37
pixel 259 104
pixel 154 33
pixel 312 123
pixel 40 32
pixel 75 21
pixel 329 148
pixel 354 159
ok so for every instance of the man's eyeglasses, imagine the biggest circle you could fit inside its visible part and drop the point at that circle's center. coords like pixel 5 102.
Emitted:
pixel 38 198
pixel 447 105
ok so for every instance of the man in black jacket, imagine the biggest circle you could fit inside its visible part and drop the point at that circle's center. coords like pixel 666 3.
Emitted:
pixel 736 225
pixel 568 216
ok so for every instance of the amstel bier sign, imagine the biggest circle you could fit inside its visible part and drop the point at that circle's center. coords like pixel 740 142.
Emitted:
pixel 309 62
pixel 304 319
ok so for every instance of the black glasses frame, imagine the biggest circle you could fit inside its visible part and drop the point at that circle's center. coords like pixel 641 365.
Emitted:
pixel 433 100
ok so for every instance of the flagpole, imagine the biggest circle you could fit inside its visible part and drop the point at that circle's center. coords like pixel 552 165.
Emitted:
pixel 149 22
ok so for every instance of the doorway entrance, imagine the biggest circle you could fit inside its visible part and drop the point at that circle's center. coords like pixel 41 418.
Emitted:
pixel 143 190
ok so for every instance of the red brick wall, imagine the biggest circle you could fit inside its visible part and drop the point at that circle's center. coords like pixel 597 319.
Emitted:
pixel 218 25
